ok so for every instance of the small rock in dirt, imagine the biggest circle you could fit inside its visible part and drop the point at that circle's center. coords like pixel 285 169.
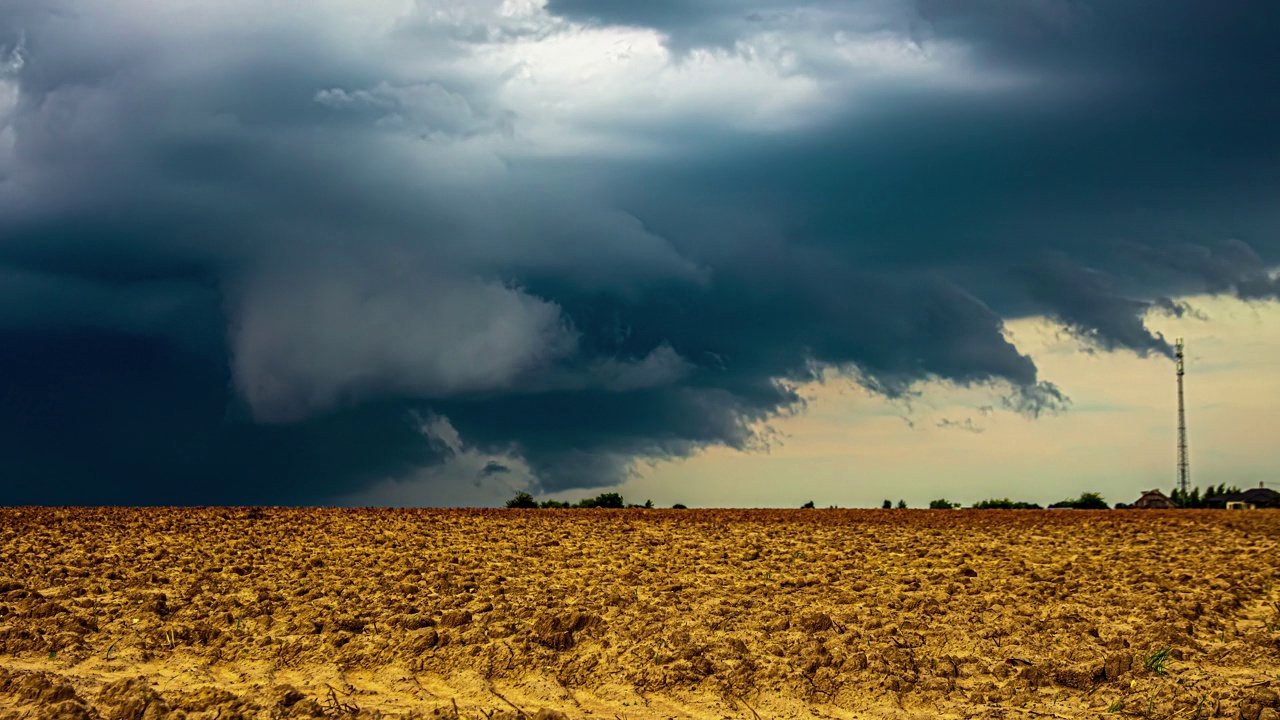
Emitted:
pixel 752 554
pixel 1074 677
pixel 549 714
pixel 856 661
pixel 1116 665
pixel 815 622
pixel 420 641
pixel 65 710
pixel 454 618
pixel 418 621
pixel 349 623
pixel 1265 697
pixel 967 571
pixel 558 631
pixel 132 699
pixel 36 687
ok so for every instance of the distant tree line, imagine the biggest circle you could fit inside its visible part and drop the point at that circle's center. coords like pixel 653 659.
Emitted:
pixel 1193 499
pixel 1005 504
pixel 1086 501
pixel 603 500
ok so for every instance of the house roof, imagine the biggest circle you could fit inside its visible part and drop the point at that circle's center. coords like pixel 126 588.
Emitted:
pixel 1256 496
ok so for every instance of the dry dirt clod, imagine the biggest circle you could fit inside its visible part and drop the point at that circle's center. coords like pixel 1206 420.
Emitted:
pixel 815 622
pixel 454 618
pixel 66 710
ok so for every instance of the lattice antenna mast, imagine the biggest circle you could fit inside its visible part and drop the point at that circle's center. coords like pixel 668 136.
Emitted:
pixel 1184 470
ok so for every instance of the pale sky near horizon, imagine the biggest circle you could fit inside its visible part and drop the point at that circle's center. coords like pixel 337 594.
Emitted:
pixel 854 449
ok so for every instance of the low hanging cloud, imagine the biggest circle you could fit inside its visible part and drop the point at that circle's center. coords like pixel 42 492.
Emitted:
pixel 306 342
pixel 252 247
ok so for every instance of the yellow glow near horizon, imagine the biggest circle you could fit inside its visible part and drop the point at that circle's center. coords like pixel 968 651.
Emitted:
pixel 854 449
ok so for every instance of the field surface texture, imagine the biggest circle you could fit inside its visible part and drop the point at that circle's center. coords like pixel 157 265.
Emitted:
pixel 637 614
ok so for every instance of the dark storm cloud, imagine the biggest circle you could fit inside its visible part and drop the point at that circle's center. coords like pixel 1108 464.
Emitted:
pixel 250 255
pixel 1088 303
pixel 493 467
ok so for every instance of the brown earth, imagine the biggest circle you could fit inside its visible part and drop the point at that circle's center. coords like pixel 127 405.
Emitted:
pixel 229 613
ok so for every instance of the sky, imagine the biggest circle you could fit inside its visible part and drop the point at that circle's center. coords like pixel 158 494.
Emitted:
pixel 729 252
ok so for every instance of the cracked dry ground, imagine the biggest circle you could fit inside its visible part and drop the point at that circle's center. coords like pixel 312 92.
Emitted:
pixel 225 613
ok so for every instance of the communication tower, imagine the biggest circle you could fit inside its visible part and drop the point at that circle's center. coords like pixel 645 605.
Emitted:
pixel 1184 470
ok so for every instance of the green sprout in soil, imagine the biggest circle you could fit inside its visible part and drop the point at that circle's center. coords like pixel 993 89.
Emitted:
pixel 1157 661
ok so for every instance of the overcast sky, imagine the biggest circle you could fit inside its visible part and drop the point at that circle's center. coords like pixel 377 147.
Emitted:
pixel 433 252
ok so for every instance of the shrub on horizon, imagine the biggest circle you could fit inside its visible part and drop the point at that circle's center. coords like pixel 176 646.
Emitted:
pixel 603 500
pixel 1005 504
pixel 1086 501
pixel 522 500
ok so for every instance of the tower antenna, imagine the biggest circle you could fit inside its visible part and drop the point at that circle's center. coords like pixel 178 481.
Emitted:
pixel 1184 470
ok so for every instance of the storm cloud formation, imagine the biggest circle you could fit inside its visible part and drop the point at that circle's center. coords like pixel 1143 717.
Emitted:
pixel 244 249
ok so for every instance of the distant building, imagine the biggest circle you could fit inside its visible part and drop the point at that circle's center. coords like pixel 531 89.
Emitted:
pixel 1154 500
pixel 1251 499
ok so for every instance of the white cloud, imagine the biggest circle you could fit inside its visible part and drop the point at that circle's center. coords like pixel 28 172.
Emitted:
pixel 304 342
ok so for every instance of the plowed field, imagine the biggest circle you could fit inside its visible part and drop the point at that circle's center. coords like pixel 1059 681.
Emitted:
pixel 225 613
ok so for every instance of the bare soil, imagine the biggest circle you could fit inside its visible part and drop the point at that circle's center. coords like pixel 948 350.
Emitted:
pixel 241 613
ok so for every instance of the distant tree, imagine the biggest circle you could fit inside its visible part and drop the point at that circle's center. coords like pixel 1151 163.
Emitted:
pixel 807 506
pixel 1212 492
pixel 902 504
pixel 943 504
pixel 1086 501
pixel 522 500
pixel 603 500
pixel 888 504
pixel 556 504
pixel 648 504
pixel 1091 501
pixel 1005 504
pixel 678 506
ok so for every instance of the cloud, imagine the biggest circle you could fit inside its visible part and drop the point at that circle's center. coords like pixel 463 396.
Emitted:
pixel 305 342
pixel 1088 303
pixel 251 247
pixel 967 425
pixel 493 467
pixel 1233 267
